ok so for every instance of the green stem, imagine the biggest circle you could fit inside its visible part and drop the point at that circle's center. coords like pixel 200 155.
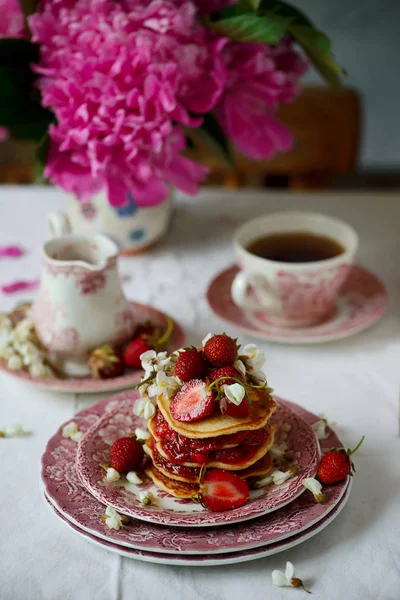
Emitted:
pixel 167 333
pixel 350 452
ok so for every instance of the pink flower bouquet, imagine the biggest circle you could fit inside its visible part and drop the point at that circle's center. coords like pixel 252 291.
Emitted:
pixel 117 86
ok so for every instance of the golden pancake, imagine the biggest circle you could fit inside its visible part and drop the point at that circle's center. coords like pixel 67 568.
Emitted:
pixel 190 474
pixel 261 408
pixel 151 425
pixel 175 488
pixel 217 461
pixel 180 489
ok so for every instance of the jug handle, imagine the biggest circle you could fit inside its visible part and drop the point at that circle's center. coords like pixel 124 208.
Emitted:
pixel 58 224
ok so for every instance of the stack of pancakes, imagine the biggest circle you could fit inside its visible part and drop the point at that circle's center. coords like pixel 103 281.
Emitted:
pixel 179 450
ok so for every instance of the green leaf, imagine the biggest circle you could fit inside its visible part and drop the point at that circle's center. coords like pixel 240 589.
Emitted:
pixel 283 9
pixel 246 6
pixel 325 64
pixel 305 34
pixel 18 52
pixel 249 27
pixel 211 136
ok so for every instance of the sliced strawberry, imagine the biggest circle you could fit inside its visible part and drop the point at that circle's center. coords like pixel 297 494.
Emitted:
pixel 239 411
pixel 227 372
pixel 193 402
pixel 223 490
pixel 190 365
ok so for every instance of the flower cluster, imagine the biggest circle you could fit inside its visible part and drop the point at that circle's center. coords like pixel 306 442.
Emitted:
pixel 125 79
pixel 21 349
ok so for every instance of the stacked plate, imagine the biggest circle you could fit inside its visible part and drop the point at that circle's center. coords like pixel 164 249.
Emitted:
pixel 179 531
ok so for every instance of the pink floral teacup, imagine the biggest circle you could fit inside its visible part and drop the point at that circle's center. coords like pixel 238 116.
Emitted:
pixel 292 294
pixel 80 304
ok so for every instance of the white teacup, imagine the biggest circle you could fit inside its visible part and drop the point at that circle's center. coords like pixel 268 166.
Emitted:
pixel 292 294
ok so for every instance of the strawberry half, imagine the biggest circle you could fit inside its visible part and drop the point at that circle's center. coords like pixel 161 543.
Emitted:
pixel 239 411
pixel 193 402
pixel 223 490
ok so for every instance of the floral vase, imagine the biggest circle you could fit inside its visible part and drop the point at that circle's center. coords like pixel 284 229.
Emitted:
pixel 134 229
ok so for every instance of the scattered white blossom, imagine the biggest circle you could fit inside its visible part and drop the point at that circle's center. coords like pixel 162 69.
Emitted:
pixel 239 365
pixel 153 361
pixel 277 450
pixel 208 337
pixel 234 393
pixel 253 358
pixel 112 475
pixel 142 434
pixel 72 432
pixel 312 484
pixel 12 431
pixel 133 477
pixel 144 408
pixel 286 579
pixel 146 497
pixel 113 520
pixel 15 363
pixel 264 482
pixel 280 477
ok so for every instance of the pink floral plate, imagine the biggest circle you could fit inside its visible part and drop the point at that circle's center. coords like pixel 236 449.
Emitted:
pixel 94 451
pixel 208 560
pixel 362 302
pixel 70 498
pixel 88 385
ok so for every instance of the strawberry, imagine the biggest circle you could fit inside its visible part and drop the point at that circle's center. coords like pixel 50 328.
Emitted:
pixel 147 330
pixel 225 372
pixel 220 350
pixel 105 363
pixel 126 455
pixel 193 402
pixel 223 490
pixel 133 352
pixel 190 365
pixel 239 411
pixel 336 465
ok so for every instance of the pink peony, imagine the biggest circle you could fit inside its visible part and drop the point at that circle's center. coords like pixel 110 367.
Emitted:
pixel 122 78
pixel 11 20
pixel 260 78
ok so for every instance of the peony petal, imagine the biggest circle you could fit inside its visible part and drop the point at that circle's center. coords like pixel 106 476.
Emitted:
pixel 11 251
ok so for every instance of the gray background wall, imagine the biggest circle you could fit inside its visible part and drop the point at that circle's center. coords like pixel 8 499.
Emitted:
pixel 366 41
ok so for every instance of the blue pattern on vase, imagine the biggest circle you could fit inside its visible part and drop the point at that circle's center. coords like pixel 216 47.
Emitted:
pixel 129 209
pixel 137 235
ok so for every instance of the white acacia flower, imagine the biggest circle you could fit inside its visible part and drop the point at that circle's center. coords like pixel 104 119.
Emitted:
pixel 253 357
pixel 320 429
pixel 239 365
pixel 234 393
pixel 77 436
pixel 312 484
pixel 113 520
pixel 208 337
pixel 165 386
pixel 30 353
pixel 146 497
pixel 144 408
pixel 14 431
pixel 280 477
pixel 112 475
pixel 277 450
pixel 133 477
pixel 153 361
pixel 5 324
pixel 69 429
pixel 22 330
pixel 283 579
pixel 260 375
pixel 264 482
pixel 142 434
pixel 39 369
pixel 15 363
pixel 6 351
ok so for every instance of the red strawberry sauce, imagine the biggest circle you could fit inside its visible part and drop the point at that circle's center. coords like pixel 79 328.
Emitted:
pixel 181 449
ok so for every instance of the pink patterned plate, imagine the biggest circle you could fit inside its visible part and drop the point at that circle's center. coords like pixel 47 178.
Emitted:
pixel 362 302
pixel 87 385
pixel 208 560
pixel 64 490
pixel 94 451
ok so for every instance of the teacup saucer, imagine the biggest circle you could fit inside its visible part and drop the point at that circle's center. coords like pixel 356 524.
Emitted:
pixel 88 385
pixel 362 302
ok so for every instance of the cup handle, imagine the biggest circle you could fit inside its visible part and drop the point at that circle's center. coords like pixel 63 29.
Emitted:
pixel 266 299
pixel 58 224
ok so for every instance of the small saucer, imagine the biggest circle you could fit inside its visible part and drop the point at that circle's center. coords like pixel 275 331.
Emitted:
pixel 362 302
pixel 88 385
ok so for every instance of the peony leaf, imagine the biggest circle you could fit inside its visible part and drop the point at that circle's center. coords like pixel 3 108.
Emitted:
pixel 283 9
pixel 248 5
pixel 324 63
pixel 249 27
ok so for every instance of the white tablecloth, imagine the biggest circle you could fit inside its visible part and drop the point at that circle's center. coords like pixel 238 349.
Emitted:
pixel 355 382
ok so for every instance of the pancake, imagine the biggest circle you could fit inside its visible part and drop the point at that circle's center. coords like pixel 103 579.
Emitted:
pixel 261 408
pixel 190 474
pixel 175 488
pixel 180 489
